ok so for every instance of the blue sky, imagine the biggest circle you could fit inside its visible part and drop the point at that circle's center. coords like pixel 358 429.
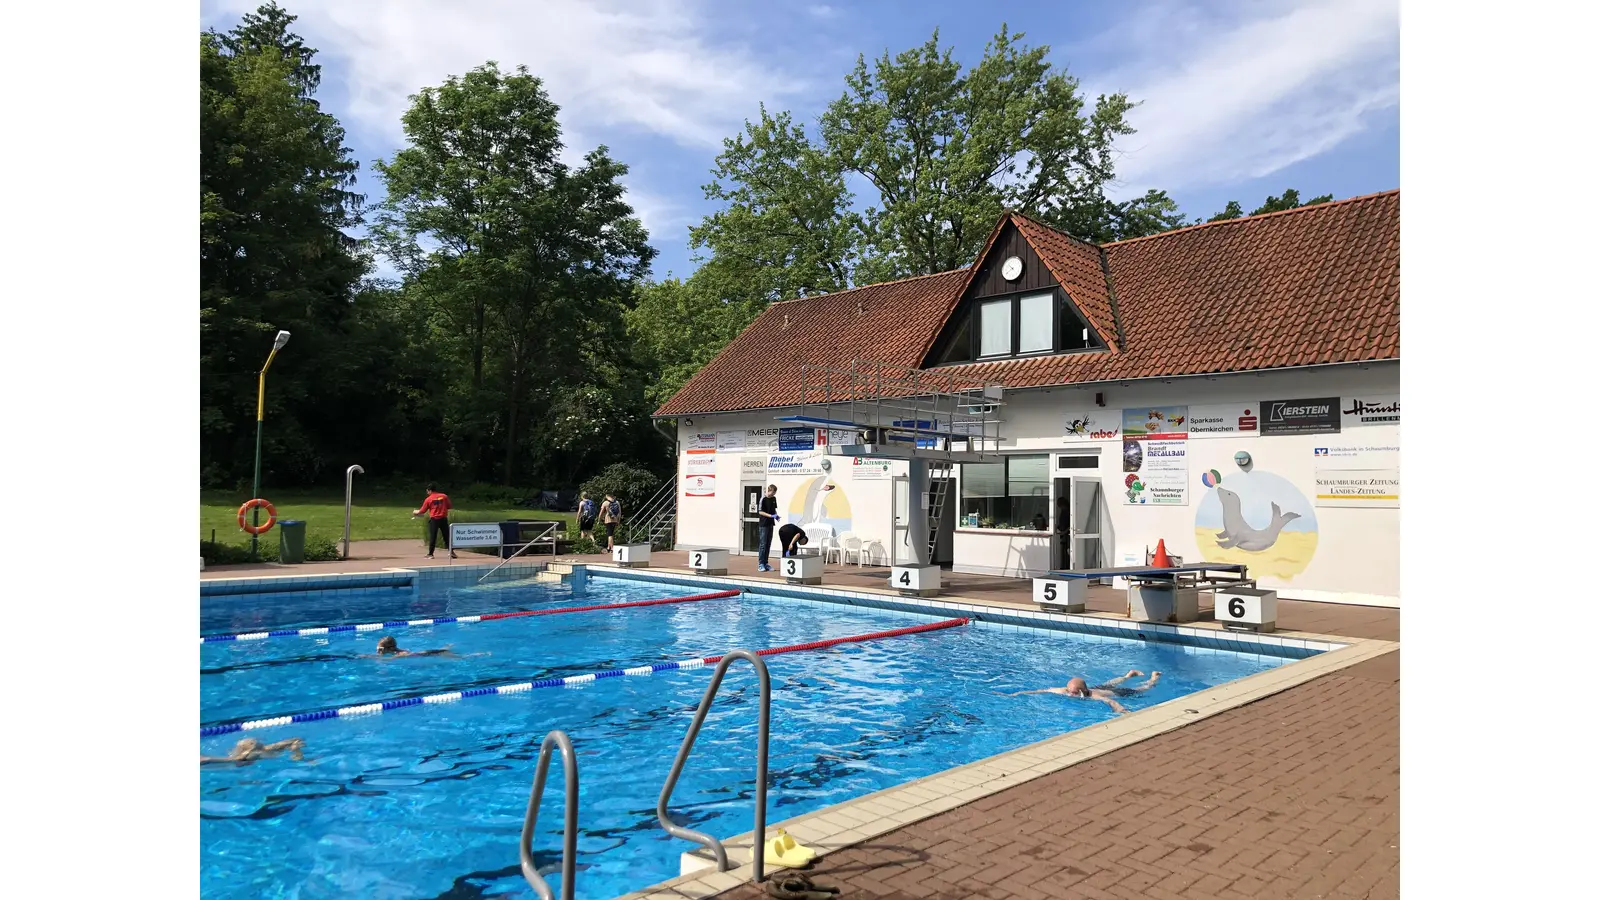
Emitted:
pixel 1241 98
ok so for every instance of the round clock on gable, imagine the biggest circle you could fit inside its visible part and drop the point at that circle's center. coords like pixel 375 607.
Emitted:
pixel 1011 269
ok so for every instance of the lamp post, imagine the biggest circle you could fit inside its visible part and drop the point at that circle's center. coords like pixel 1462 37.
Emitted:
pixel 261 406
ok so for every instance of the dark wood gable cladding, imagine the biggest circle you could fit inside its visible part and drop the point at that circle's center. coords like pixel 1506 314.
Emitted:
pixel 988 282
pixel 959 338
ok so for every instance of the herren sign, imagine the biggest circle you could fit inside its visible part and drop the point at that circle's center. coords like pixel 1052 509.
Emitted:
pixel 1315 416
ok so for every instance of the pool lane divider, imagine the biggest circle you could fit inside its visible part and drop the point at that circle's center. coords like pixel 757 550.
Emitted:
pixel 446 620
pixel 372 708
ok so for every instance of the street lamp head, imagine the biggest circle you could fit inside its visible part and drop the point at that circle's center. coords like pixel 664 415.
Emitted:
pixel 280 340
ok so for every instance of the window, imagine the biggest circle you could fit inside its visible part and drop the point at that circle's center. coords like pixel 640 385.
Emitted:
pixel 1078 462
pixel 994 323
pixel 1018 325
pixel 1035 323
pixel 1013 493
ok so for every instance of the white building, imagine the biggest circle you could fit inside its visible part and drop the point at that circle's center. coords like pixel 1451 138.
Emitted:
pixel 1231 389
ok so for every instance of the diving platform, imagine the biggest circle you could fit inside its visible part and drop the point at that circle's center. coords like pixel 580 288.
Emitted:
pixel 894 412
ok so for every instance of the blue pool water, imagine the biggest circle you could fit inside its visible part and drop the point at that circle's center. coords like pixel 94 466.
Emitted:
pixel 427 802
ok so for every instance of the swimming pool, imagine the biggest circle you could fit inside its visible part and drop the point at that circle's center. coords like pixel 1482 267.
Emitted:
pixel 427 801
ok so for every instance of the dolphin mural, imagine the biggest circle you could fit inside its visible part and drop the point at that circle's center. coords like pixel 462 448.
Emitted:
pixel 1237 533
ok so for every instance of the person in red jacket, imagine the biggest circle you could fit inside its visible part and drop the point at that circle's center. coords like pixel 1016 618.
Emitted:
pixel 437 509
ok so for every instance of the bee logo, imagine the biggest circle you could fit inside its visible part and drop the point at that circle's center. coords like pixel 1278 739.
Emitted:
pixel 1078 426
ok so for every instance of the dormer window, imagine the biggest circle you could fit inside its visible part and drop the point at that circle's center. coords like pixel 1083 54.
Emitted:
pixel 1024 324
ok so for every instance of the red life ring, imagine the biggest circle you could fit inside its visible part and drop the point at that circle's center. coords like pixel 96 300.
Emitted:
pixel 272 516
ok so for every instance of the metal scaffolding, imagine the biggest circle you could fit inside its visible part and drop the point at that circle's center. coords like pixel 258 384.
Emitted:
pixel 901 413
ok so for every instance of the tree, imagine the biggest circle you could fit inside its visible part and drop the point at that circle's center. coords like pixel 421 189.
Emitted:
pixel 943 150
pixel 1289 200
pixel 678 326
pixel 527 265
pixel 275 198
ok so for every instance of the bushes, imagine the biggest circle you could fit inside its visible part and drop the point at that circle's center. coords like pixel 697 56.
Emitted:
pixel 318 549
pixel 628 483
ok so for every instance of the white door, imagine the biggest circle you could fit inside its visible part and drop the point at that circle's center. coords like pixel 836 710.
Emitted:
pixel 900 549
pixel 1087 550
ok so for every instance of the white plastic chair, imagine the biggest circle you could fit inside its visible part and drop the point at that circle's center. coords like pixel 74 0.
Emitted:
pixel 830 546
pixel 848 544
pixel 874 550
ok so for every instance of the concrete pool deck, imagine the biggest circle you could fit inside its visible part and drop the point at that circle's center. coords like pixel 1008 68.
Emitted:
pixel 1283 784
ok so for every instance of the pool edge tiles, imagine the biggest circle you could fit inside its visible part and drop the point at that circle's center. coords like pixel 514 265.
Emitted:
pixel 870 816
pixel 414 579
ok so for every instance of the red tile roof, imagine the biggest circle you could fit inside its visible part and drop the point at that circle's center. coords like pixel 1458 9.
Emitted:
pixel 1315 285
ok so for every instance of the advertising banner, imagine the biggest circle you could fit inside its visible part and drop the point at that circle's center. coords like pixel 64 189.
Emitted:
pixel 866 469
pixel 796 464
pixel 1381 409
pixel 1232 420
pixel 1315 416
pixel 731 441
pixel 1094 425
pixel 1155 455
pixel 700 473
pixel 1373 488
pixel 792 440
pixel 761 439
pixel 702 440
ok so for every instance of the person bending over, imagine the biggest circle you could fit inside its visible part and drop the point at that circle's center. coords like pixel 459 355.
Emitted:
pixel 389 647
pixel 791 537
pixel 1106 693
pixel 249 750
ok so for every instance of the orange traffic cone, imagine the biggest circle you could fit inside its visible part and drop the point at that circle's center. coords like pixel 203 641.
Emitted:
pixel 1161 560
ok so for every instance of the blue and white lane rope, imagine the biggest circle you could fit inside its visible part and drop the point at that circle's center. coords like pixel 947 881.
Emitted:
pixel 445 620
pixel 372 708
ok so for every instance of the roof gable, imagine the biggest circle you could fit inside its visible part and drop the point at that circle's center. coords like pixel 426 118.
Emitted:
pixel 1310 286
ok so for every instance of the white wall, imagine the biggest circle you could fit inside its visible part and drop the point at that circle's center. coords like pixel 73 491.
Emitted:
pixel 859 505
pixel 1353 556
pixel 1349 556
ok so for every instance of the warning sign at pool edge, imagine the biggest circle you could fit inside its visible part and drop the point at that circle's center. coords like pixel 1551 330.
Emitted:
pixel 475 534
pixel 700 473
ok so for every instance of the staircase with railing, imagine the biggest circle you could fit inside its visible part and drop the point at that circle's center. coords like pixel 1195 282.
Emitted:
pixel 657 519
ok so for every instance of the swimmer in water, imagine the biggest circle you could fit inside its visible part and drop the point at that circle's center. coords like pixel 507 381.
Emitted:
pixel 1106 693
pixel 249 750
pixel 389 647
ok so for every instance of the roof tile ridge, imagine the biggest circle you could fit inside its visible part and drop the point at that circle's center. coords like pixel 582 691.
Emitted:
pixel 1259 216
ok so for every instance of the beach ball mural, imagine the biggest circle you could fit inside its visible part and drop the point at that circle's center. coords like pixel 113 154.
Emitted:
pixel 1258 518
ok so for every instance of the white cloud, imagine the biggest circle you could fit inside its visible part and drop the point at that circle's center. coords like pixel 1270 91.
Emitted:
pixel 823 11
pixel 1225 100
pixel 612 65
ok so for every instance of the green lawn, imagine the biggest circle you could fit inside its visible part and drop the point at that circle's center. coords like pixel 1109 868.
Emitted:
pixel 375 516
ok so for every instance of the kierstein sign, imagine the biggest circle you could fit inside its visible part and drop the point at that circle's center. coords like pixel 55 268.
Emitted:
pixel 1316 416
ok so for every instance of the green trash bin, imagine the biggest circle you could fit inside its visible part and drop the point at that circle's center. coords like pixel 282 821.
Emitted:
pixel 292 541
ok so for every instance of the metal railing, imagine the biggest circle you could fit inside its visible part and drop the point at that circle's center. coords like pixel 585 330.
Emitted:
pixel 543 537
pixel 655 518
pixel 569 828
pixel 758 854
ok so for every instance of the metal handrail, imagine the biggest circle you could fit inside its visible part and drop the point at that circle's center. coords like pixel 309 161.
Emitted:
pixel 715 846
pixel 569 828
pixel 349 489
pixel 539 538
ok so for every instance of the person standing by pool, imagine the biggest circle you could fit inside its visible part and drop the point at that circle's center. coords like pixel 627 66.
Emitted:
pixel 1106 693
pixel 437 508
pixel 586 517
pixel 768 515
pixel 611 515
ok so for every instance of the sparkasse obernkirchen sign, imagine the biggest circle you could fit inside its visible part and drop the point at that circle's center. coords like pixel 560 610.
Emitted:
pixel 1315 416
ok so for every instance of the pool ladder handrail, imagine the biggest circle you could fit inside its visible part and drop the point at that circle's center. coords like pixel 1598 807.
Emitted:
pixel 715 846
pixel 569 835
pixel 547 536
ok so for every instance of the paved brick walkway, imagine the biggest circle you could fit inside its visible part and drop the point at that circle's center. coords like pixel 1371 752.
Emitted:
pixel 1294 796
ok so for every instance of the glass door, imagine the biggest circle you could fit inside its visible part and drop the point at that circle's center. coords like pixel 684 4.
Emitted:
pixel 1088 552
pixel 749 522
